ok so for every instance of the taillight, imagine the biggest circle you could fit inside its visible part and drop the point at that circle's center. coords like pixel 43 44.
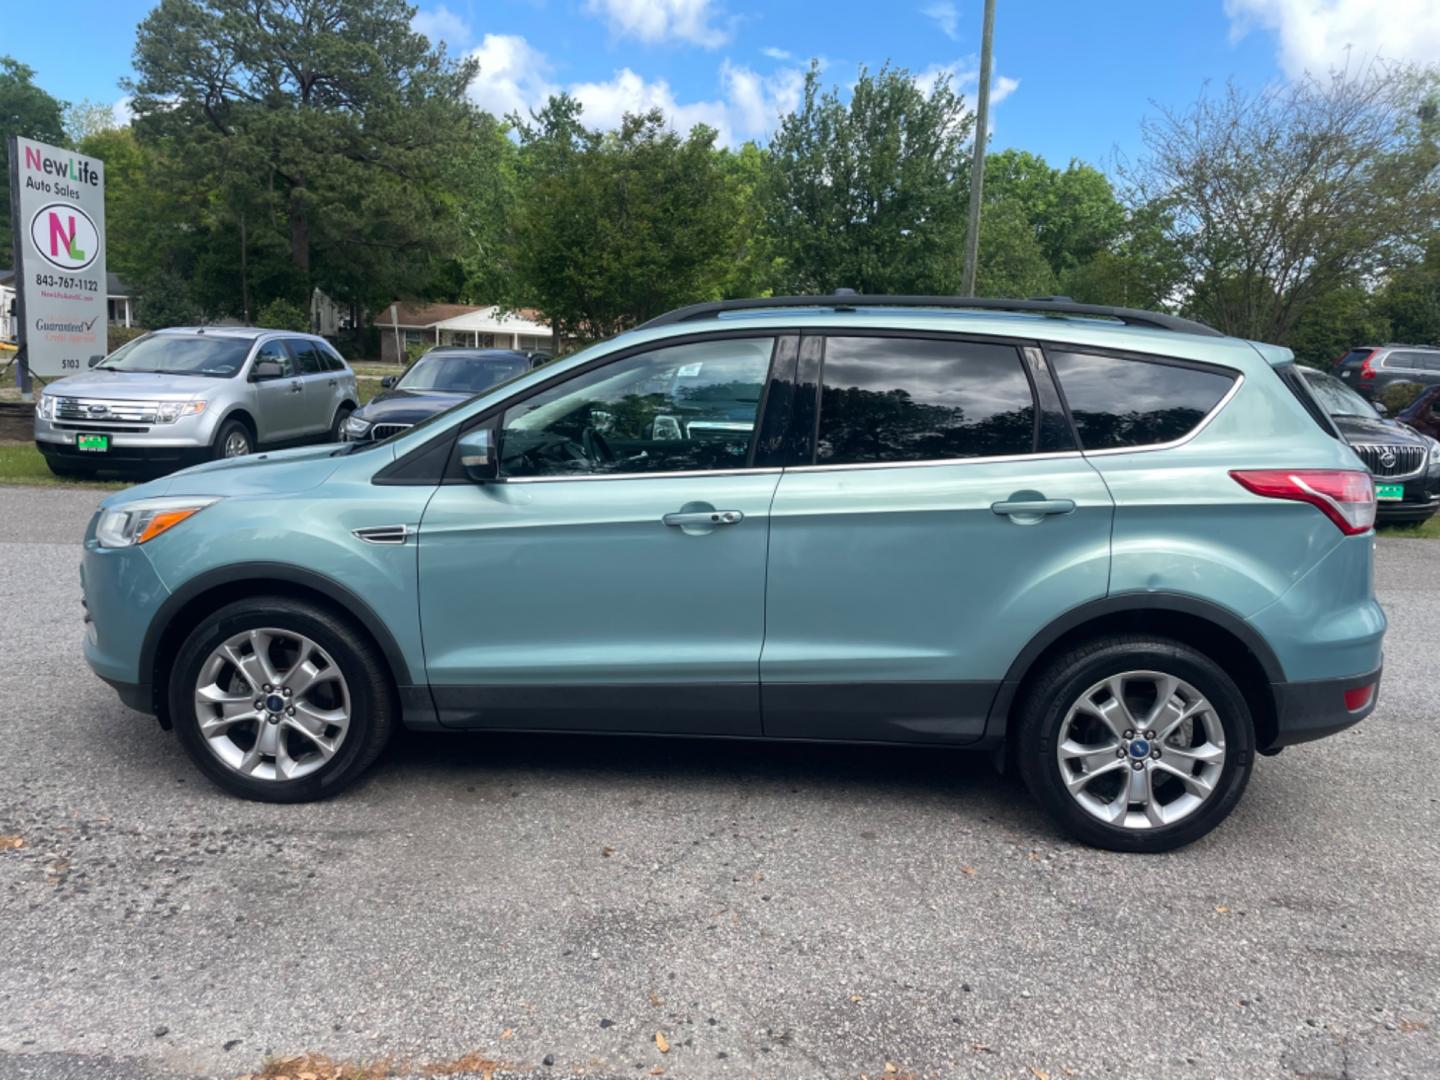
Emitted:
pixel 1367 370
pixel 1345 496
pixel 1357 699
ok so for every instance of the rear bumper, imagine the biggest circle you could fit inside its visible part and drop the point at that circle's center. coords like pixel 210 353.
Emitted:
pixel 1305 711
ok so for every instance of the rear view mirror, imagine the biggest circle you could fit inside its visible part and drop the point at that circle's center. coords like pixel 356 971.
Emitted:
pixel 266 369
pixel 96 359
pixel 387 382
pixel 479 455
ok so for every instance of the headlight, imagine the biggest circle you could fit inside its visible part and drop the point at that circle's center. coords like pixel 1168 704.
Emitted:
pixel 356 426
pixel 45 406
pixel 170 411
pixel 137 522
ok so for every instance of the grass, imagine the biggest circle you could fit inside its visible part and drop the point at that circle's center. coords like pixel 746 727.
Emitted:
pixel 21 463
pixel 1430 530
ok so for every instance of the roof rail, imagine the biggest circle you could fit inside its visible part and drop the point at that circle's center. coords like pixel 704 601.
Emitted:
pixel 848 300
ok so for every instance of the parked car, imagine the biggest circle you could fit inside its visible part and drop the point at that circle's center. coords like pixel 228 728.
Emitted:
pixel 1117 549
pixel 1423 414
pixel 177 397
pixel 1404 462
pixel 1370 368
pixel 439 380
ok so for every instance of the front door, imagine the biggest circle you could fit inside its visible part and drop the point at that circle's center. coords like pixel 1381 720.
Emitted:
pixel 945 520
pixel 281 401
pixel 614 577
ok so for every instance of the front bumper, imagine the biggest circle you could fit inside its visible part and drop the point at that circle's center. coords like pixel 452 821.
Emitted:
pixel 121 592
pixel 185 442
pixel 1305 711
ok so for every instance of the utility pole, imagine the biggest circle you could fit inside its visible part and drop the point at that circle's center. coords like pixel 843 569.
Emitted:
pixel 977 167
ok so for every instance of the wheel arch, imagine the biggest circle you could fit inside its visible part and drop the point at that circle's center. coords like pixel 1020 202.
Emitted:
pixel 241 413
pixel 185 607
pixel 1213 630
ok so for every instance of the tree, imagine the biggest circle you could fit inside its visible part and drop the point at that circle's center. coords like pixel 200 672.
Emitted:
pixel 327 121
pixel 612 229
pixel 1074 213
pixel 1410 300
pixel 28 111
pixel 870 194
pixel 1277 197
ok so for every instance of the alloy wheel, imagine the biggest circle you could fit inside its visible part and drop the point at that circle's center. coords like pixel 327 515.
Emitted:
pixel 1141 750
pixel 272 704
pixel 237 444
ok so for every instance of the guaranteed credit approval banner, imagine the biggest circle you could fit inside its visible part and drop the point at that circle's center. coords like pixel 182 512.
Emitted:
pixel 58 211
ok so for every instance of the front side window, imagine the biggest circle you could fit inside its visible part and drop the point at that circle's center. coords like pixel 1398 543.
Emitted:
pixel 905 399
pixel 676 409
pixel 1118 403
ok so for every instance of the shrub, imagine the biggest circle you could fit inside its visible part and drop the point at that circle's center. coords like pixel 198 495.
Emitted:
pixel 115 336
pixel 282 314
pixel 1400 395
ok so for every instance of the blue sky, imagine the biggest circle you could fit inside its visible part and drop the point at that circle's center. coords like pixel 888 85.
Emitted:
pixel 1072 79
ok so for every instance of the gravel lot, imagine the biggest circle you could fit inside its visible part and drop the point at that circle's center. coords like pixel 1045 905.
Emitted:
pixel 773 911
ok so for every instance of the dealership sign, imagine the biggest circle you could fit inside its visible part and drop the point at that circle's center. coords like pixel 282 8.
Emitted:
pixel 58 210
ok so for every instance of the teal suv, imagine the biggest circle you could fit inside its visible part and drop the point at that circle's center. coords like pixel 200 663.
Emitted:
pixel 1120 551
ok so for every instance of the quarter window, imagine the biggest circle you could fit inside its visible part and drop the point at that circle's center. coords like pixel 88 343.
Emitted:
pixel 677 409
pixel 1117 402
pixel 907 399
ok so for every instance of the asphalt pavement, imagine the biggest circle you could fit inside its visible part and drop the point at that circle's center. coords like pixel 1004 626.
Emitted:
pixel 551 904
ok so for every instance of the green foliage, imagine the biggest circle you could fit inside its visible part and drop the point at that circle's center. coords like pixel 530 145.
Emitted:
pixel 612 229
pixel 1400 395
pixel 1410 300
pixel 1073 213
pixel 29 111
pixel 115 336
pixel 166 300
pixel 1335 323
pixel 867 194
pixel 1011 260
pixel 283 314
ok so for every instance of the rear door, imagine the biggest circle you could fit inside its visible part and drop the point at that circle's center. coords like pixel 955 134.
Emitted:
pixel 321 386
pixel 945 518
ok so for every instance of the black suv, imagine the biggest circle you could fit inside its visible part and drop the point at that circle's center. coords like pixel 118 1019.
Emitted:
pixel 1368 369
pixel 1404 462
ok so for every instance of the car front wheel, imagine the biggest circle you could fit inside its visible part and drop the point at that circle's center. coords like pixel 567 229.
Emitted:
pixel 233 440
pixel 1136 743
pixel 280 700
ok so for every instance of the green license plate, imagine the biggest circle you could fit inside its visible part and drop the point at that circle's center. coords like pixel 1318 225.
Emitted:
pixel 92 444
pixel 1390 492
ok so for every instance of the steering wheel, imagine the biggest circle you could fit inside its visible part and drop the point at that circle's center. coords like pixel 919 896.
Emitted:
pixel 596 448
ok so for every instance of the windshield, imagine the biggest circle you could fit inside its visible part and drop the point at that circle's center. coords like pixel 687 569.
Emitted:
pixel 180 354
pixel 1336 398
pixel 460 373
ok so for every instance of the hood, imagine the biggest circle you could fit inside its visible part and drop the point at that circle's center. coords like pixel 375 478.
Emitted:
pixel 1364 430
pixel 132 386
pixel 409 406
pixel 274 472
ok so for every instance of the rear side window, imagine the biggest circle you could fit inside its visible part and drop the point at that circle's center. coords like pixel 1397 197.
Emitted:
pixel 1354 356
pixel 906 399
pixel 1119 402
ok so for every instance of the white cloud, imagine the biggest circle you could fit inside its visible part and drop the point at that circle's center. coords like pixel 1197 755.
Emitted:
pixel 515 77
pixel 442 24
pixel 122 112
pixel 1318 35
pixel 964 78
pixel 1002 87
pixel 776 54
pixel 654 21
pixel 946 16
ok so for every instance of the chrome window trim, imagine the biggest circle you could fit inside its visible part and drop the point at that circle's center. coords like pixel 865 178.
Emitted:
pixel 1173 443
pixel 684 474
pixel 1001 459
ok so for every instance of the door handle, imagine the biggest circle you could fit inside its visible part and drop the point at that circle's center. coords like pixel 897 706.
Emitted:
pixel 1033 507
pixel 703 517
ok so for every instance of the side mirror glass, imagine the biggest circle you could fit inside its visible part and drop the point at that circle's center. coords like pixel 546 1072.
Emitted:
pixel 388 381
pixel 96 359
pixel 479 455
pixel 266 369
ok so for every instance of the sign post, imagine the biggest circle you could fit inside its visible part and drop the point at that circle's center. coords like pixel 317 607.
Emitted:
pixel 57 208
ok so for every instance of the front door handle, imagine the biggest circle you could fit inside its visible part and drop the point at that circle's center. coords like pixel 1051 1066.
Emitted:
pixel 1032 509
pixel 692 518
pixel 297 386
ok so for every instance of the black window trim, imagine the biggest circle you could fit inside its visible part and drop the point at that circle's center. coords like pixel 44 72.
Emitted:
pixel 1020 345
pixel 1236 376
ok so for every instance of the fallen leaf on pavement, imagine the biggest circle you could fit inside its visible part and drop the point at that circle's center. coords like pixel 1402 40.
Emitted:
pixel 11 843
pixel 967 869
pixel 661 1043
pixel 1221 909
pixel 1040 1074
pixel 606 852
pixel 508 1033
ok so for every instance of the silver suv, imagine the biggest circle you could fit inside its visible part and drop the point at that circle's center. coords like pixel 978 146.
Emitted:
pixel 178 397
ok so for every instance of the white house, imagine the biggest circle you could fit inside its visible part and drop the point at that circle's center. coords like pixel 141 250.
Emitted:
pixel 402 325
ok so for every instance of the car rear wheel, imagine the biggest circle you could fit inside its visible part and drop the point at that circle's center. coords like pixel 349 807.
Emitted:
pixel 280 700
pixel 233 440
pixel 337 426
pixel 1136 743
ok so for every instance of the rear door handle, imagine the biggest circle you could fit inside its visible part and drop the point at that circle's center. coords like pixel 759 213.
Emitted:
pixel 680 520
pixel 1038 507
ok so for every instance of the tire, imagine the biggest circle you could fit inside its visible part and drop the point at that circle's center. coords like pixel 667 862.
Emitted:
pixel 359 686
pixel 228 438
pixel 337 426
pixel 1171 811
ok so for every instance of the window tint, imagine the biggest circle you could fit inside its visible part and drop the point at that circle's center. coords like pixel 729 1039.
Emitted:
pixel 332 359
pixel 675 409
pixel 1119 402
pixel 905 399
pixel 307 357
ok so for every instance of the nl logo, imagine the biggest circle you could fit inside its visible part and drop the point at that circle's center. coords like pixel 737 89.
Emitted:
pixel 64 236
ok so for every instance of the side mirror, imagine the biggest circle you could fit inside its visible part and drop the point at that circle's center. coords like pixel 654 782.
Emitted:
pixel 96 359
pixel 266 369
pixel 479 455
pixel 387 382
pixel 1381 408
